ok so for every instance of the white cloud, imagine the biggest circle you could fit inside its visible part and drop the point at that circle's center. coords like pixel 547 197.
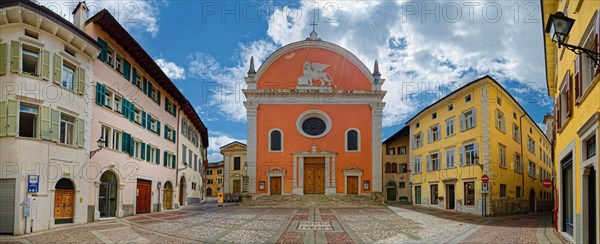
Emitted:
pixel 216 140
pixel 133 15
pixel 171 69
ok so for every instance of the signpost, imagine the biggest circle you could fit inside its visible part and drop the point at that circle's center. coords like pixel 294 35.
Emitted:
pixel 484 190
pixel 484 178
pixel 220 199
pixel 33 183
pixel 547 183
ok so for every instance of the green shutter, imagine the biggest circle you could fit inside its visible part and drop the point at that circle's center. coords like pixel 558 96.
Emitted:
pixel 131 112
pixel 158 156
pixel 173 159
pixel 127 69
pixel 158 127
pixel 166 136
pixel 3 58
pixel 124 107
pixel 167 105
pixel 55 123
pixel 80 133
pixel 148 151
pixel 133 74
pixel 131 146
pixel 45 65
pixel 174 135
pixel 125 142
pixel 143 151
pixel 104 53
pixel 174 110
pixel 144 120
pixel 101 94
pixel 15 56
pixel 145 85
pixel 57 68
pixel 150 90
pixel 81 81
pixel 46 123
pixel 2 119
pixel 11 117
pixel 166 160
pixel 158 97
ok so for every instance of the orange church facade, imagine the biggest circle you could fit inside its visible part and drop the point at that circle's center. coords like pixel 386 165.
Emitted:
pixel 314 122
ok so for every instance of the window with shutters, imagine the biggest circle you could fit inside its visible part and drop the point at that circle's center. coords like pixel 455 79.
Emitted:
pixel 470 153
pixel 434 162
pixel 394 168
pixel 68 75
pixel 28 120
pixel 30 60
pixel 417 140
pixel 352 140
pixel 450 127
pixel 67 129
pixel 531 145
pixel 434 133
pixel 564 101
pixel 531 169
pixel 450 159
pixel 169 133
pixel 391 151
pixel 152 123
pixel 137 148
pixel 402 150
pixel 105 132
pixel 516 133
pixel 417 165
pixel 184 154
pixel 402 168
pixel 237 161
pixel 220 181
pixel 110 56
pixel 108 98
pixel 468 119
pixel 209 172
pixel 502 159
pixel 219 171
pixel 137 115
pixel 585 67
pixel 139 79
pixel 275 140
pixel 500 121
pixel 117 102
pixel 388 167
pixel 518 167
pixel 119 63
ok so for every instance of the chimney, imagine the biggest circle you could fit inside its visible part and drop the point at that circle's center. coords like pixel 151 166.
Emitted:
pixel 80 15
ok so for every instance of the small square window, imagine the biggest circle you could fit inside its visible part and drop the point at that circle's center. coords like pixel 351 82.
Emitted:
pixel 468 98
pixel 31 34
pixel 450 107
pixel 417 125
pixel 434 116
pixel 499 101
pixel 514 115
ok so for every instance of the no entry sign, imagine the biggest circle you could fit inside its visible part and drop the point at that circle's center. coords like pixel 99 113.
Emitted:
pixel 547 183
pixel 484 178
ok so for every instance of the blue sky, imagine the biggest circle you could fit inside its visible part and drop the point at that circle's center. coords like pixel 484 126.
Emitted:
pixel 205 46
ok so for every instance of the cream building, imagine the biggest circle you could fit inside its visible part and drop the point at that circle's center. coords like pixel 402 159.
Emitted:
pixel 234 160
pixel 193 142
pixel 46 70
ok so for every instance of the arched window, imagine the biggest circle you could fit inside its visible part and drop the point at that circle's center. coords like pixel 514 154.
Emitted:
pixel 388 167
pixel 275 140
pixel 352 140
pixel 394 168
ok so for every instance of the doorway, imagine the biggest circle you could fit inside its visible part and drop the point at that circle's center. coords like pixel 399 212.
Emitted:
pixel 143 196
pixel 531 200
pixel 7 206
pixel 450 196
pixel 275 185
pixel 107 199
pixel 314 175
pixel 182 195
pixel 592 206
pixel 168 196
pixel 237 186
pixel 390 192
pixel 209 192
pixel 353 185
pixel 64 201
pixel 567 195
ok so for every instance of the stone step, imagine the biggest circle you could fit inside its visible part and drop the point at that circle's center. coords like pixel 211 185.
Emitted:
pixel 313 201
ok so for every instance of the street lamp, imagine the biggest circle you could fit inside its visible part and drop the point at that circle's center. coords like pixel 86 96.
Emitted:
pixel 558 27
pixel 100 146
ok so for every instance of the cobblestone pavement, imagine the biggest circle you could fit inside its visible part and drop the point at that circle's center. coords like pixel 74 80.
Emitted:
pixel 234 224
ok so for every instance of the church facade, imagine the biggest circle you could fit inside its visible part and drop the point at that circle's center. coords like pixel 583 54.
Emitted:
pixel 314 122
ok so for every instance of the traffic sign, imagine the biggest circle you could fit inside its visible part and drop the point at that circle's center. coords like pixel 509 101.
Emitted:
pixel 484 178
pixel 547 183
pixel 33 183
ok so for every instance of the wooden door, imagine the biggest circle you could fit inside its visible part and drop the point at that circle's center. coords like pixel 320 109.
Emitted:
pixel 63 204
pixel 450 196
pixel 144 192
pixel 352 185
pixel 168 198
pixel 275 186
pixel 314 175
pixel 237 186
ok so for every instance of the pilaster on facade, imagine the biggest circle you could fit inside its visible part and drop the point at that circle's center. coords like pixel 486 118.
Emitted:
pixel 251 111
pixel 377 112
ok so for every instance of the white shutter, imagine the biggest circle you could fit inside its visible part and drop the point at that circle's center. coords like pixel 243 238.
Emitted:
pixel 429 135
pixel 474 117
pixel 497 120
pixel 428 163
pixel 476 148
pixel 462 156
pixel 462 122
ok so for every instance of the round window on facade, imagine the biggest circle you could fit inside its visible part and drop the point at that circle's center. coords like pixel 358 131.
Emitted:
pixel 313 124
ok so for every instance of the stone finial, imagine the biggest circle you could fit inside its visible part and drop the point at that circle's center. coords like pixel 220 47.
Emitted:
pixel 376 73
pixel 251 70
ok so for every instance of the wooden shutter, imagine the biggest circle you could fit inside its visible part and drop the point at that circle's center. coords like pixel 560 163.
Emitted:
pixel 143 151
pixel 57 76
pixel 45 65
pixel 577 73
pixel 11 117
pixel 144 121
pixel 158 156
pixel 81 81
pixel 461 156
pixel 3 57
pixel 558 111
pixel 103 55
pixel 15 56
pixel 46 127
pixel 2 118
pixel 81 133
pixel 55 123
pixel 597 37
pixel 568 93
pixel 126 69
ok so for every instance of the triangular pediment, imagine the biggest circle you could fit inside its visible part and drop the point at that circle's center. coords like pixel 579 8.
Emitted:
pixel 353 169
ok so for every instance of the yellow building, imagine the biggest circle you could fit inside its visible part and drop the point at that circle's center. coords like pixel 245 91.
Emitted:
pixel 214 179
pixel 234 160
pixel 479 130
pixel 396 165
pixel 573 83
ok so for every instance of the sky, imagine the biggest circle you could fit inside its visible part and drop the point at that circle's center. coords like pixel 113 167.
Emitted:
pixel 425 49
